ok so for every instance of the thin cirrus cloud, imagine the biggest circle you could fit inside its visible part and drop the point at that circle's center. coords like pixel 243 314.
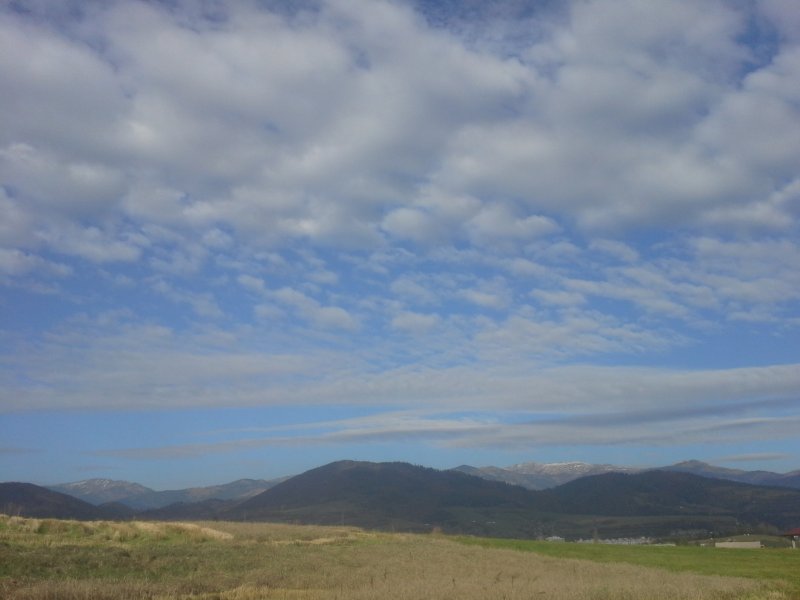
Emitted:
pixel 578 208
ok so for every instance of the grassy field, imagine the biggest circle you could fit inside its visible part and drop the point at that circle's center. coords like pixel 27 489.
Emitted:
pixel 780 565
pixel 69 560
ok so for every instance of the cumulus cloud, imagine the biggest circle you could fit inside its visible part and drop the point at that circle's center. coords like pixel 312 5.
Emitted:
pixel 414 290
pixel 414 322
pixel 535 191
pixel 333 317
pixel 17 262
pixel 253 284
pixel 180 120
pixel 361 104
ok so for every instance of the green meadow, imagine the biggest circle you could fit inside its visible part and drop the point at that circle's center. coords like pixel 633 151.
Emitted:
pixel 779 565
pixel 70 560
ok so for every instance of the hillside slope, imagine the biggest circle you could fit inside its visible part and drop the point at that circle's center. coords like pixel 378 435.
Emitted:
pixel 663 493
pixel 139 497
pixel 385 495
pixel 768 478
pixel 100 491
pixel 28 500
pixel 541 476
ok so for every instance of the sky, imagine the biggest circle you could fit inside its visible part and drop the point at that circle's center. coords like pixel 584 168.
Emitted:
pixel 247 238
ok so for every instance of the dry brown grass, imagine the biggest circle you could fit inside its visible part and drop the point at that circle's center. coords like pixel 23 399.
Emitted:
pixel 242 561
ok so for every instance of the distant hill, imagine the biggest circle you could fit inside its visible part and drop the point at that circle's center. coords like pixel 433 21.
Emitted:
pixel 663 493
pixel 205 510
pixel 400 496
pixel 139 497
pixel 117 511
pixel 540 476
pixel 236 490
pixel 384 495
pixel 100 491
pixel 696 467
pixel 28 500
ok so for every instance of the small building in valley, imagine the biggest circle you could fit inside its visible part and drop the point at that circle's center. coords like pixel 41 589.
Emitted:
pixel 755 544
pixel 793 535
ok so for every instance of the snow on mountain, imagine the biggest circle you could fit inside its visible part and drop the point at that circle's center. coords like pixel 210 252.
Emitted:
pixel 539 476
pixel 100 491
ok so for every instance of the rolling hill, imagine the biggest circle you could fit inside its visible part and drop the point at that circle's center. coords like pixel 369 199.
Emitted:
pixel 386 495
pixel 139 497
pixel 405 497
pixel 696 467
pixel 211 509
pixel 664 493
pixel 541 476
pixel 100 491
pixel 28 500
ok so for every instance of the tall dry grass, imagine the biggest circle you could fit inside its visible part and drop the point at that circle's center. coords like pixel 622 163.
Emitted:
pixel 239 561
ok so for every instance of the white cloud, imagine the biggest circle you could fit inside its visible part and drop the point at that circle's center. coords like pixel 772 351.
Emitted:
pixel 55 184
pixel 414 322
pixel 203 304
pixel 92 243
pixel 16 262
pixel 413 290
pixel 605 181
pixel 365 123
pixel 541 338
pixel 616 249
pixel 253 284
pixel 783 16
pixel 332 317
pixel 495 223
pixel 523 267
pixel 268 311
pixel 485 299
pixel 411 224
pixel 559 297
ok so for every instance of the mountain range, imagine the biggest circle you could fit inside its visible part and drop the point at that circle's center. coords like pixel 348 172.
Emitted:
pixel 411 498
pixel 139 497
pixel 382 495
pixel 30 500
pixel 541 476
pixel 530 475
pixel 404 497
pixel 790 480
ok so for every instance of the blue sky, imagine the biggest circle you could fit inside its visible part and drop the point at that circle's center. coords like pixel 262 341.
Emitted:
pixel 244 239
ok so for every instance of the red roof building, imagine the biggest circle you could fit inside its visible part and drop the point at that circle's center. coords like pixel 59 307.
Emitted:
pixel 793 534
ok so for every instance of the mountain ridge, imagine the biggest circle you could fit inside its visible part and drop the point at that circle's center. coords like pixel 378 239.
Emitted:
pixel 138 497
pixel 531 475
pixel 540 476
pixel 405 497
pixel 402 496
pixel 758 477
pixel 29 500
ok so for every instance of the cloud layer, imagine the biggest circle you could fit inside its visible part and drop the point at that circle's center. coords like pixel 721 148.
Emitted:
pixel 582 209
